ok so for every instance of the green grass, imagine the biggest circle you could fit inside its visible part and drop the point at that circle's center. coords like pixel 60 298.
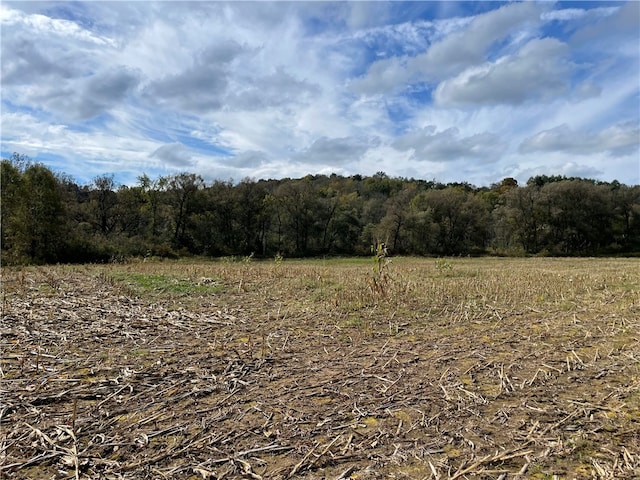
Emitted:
pixel 161 284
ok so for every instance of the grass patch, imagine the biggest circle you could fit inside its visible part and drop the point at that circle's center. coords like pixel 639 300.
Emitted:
pixel 162 284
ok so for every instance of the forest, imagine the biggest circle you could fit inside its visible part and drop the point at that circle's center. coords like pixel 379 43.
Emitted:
pixel 48 218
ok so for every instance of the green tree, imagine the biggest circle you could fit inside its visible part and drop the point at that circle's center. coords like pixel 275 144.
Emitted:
pixel 103 202
pixel 152 211
pixel 392 229
pixel 182 189
pixel 130 217
pixel 344 228
pixel 522 217
pixel 213 223
pixel 459 220
pixel 37 223
pixel 12 195
pixel 625 204
pixel 298 208
pixel 577 215
pixel 250 216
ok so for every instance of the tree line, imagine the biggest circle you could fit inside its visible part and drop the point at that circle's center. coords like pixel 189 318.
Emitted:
pixel 48 218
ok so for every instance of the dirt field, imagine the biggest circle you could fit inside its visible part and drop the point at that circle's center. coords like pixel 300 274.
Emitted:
pixel 334 369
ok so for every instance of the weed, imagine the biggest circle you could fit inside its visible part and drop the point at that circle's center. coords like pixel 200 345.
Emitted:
pixel 379 282
pixel 442 265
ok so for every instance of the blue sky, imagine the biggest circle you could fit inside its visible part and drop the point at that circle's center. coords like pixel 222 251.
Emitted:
pixel 452 91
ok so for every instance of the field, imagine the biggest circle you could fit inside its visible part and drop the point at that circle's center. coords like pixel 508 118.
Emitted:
pixel 334 369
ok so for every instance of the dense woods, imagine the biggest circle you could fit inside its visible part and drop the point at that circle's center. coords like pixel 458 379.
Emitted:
pixel 48 217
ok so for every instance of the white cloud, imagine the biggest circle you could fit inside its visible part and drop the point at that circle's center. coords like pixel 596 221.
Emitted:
pixel 564 14
pixel 539 71
pixel 198 89
pixel 617 140
pixel 249 159
pixel 175 154
pixel 274 89
pixel 38 25
pixel 453 53
pixel 449 145
pixel 22 59
pixel 461 49
pixel 586 90
pixel 366 14
pixel 81 153
pixel 617 30
pixel 97 93
pixel 336 151
pixel 81 98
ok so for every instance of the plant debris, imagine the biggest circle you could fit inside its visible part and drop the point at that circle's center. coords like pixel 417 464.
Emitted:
pixel 490 369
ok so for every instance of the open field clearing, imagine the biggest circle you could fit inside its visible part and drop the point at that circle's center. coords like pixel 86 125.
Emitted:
pixel 416 369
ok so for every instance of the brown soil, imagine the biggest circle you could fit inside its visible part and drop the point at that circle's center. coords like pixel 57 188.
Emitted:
pixel 488 369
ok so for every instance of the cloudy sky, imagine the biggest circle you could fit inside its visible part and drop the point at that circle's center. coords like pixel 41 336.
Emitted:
pixel 452 91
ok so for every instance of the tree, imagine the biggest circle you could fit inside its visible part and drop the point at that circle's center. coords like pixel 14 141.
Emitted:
pixel 625 205
pixel 103 202
pixel 38 220
pixel 250 213
pixel 578 215
pixel 298 214
pixel 47 217
pixel 152 191
pixel 541 180
pixel 507 184
pixel 392 227
pixel 459 220
pixel 12 194
pixel 522 215
pixel 182 189
pixel 343 228
pixel 213 225
pixel 130 217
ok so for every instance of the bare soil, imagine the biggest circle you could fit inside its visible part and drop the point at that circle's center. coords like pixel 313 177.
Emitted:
pixel 462 368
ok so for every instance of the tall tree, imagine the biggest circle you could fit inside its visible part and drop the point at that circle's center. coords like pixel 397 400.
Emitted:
pixel 182 188
pixel 578 215
pixel 625 203
pixel 298 207
pixel 251 218
pixel 522 215
pixel 103 201
pixel 393 227
pixel 130 211
pixel 12 195
pixel 459 220
pixel 39 219
pixel 213 222
pixel 152 191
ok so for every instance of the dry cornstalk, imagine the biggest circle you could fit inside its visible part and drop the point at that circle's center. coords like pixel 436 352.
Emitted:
pixel 488 459
pixel 298 465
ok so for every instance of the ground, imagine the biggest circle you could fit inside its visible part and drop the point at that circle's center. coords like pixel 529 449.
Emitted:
pixel 334 368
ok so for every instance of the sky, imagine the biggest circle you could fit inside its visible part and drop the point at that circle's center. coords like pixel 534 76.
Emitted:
pixel 447 91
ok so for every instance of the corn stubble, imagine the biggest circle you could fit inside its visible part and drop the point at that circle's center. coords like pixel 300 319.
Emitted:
pixel 337 368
